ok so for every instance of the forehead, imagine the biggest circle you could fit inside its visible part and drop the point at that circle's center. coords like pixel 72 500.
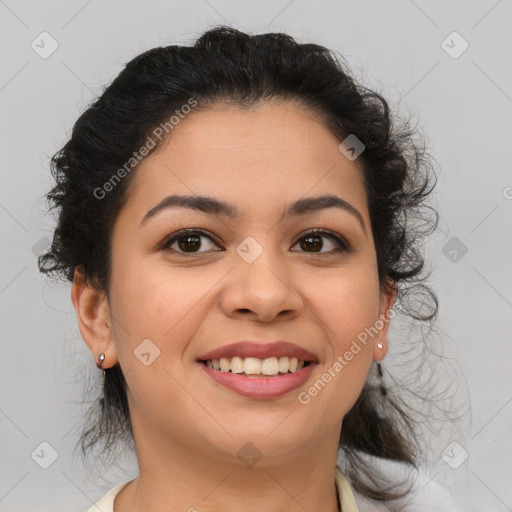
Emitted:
pixel 271 152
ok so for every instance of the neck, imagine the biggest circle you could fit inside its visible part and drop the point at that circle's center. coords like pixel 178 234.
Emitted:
pixel 177 476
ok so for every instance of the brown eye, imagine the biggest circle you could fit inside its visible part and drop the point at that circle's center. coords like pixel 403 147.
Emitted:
pixel 312 242
pixel 186 241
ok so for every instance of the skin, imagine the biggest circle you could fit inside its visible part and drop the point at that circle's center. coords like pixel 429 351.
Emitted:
pixel 188 429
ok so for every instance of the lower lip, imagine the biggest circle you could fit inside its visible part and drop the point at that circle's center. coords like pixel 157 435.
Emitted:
pixel 260 387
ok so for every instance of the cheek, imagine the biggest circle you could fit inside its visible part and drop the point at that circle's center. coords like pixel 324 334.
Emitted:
pixel 347 300
pixel 163 306
pixel 160 303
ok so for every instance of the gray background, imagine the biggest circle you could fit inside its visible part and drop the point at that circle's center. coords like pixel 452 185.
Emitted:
pixel 462 104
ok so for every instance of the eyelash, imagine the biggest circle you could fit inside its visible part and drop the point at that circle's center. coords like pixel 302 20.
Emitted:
pixel 344 246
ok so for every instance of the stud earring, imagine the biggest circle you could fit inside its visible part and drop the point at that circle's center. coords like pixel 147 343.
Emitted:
pixel 379 345
pixel 101 358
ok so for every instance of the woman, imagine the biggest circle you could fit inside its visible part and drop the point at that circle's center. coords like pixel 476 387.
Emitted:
pixel 233 218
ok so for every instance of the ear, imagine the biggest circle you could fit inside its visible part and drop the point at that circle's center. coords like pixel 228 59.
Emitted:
pixel 92 311
pixel 388 296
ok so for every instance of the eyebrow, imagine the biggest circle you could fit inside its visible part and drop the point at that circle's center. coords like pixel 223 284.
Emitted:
pixel 213 206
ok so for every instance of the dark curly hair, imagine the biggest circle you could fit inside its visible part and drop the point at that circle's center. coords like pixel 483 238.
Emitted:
pixel 227 66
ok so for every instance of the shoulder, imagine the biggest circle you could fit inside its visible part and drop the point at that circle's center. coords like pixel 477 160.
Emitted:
pixel 426 493
pixel 106 504
pixel 423 497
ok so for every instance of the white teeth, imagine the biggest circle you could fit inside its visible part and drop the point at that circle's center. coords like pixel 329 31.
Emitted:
pixel 256 366
pixel 237 365
pixel 270 366
pixel 252 366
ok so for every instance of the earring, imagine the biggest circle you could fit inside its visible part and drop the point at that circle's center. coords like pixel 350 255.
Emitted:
pixel 101 358
pixel 380 345
pixel 383 390
pixel 381 405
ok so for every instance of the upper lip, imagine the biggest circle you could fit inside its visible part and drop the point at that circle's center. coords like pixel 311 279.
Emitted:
pixel 261 350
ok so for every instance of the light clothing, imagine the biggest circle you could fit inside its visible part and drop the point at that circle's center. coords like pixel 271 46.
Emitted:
pixel 347 500
pixel 106 504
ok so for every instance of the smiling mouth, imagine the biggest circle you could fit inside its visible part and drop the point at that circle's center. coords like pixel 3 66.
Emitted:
pixel 255 367
pixel 255 378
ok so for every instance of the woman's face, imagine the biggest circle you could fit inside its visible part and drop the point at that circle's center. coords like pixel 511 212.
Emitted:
pixel 254 276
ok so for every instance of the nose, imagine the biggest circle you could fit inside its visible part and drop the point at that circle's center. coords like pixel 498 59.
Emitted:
pixel 264 289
